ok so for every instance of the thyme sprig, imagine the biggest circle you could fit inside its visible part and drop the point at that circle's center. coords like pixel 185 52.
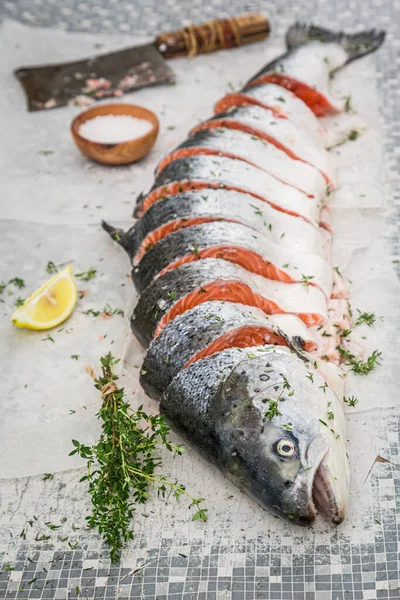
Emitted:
pixel 366 318
pixel 121 467
pixel 87 275
pixel 17 281
pixel 358 366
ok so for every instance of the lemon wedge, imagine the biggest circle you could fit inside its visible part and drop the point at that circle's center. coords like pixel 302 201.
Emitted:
pixel 50 305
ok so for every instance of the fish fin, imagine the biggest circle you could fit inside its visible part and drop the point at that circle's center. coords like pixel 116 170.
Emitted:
pixel 355 44
pixel 118 235
pixel 296 343
pixel 139 202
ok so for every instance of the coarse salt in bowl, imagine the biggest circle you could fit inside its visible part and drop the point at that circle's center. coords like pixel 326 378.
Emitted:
pixel 114 129
pixel 115 134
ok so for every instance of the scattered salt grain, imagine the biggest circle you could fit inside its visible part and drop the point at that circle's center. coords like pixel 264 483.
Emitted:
pixel 114 129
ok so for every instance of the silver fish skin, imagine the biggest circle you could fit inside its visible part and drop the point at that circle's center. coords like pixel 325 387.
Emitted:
pixel 164 293
pixel 283 103
pixel 256 151
pixel 295 463
pixel 289 231
pixel 270 415
pixel 314 53
pixel 195 330
pixel 229 172
pixel 282 132
pixel 230 242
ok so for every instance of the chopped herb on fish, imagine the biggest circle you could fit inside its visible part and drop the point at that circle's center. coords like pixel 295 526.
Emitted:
pixel 273 410
pixel 257 211
pixel 305 279
pixel 347 104
pixel 344 333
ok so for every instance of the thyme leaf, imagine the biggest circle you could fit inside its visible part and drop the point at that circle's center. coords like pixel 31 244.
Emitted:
pixel 87 275
pixel 364 317
pixel 122 465
pixel 51 268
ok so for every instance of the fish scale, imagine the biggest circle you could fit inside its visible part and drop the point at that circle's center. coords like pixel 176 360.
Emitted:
pixel 250 148
pixel 180 210
pixel 281 132
pixel 244 365
pixel 198 328
pixel 235 243
pixel 235 174
pixel 194 283
pixel 282 102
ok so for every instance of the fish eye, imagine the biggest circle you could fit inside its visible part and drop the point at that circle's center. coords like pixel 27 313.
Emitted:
pixel 285 448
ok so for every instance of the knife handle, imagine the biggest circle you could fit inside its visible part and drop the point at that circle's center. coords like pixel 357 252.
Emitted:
pixel 213 35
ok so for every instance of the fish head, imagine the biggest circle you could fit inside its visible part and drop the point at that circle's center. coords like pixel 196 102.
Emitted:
pixel 281 433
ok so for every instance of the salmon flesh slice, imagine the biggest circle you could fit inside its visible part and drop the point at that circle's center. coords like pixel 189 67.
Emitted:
pixel 283 103
pixel 234 143
pixel 198 172
pixel 235 243
pixel 305 71
pixel 194 207
pixel 212 327
pixel 280 132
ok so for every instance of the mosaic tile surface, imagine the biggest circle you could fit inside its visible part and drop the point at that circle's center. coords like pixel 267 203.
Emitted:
pixel 62 563
pixel 45 552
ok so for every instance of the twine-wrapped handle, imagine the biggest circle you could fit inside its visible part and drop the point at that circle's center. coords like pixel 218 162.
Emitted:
pixel 214 35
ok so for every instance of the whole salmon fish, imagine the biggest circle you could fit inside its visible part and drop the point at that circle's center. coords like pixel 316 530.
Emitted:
pixel 239 306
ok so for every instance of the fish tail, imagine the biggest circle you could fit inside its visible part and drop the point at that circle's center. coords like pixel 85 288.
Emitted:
pixel 355 44
pixel 118 235
pixel 138 206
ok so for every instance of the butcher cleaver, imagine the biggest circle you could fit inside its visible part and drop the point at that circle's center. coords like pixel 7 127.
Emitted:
pixel 113 74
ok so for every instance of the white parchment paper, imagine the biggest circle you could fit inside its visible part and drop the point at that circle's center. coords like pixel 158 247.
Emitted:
pixel 52 201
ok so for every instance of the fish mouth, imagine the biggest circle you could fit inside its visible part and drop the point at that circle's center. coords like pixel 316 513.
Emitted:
pixel 324 496
pixel 314 490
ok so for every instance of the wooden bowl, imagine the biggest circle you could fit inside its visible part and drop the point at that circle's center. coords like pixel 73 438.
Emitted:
pixel 122 153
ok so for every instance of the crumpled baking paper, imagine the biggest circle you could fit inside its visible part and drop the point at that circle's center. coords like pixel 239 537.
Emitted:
pixel 52 201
